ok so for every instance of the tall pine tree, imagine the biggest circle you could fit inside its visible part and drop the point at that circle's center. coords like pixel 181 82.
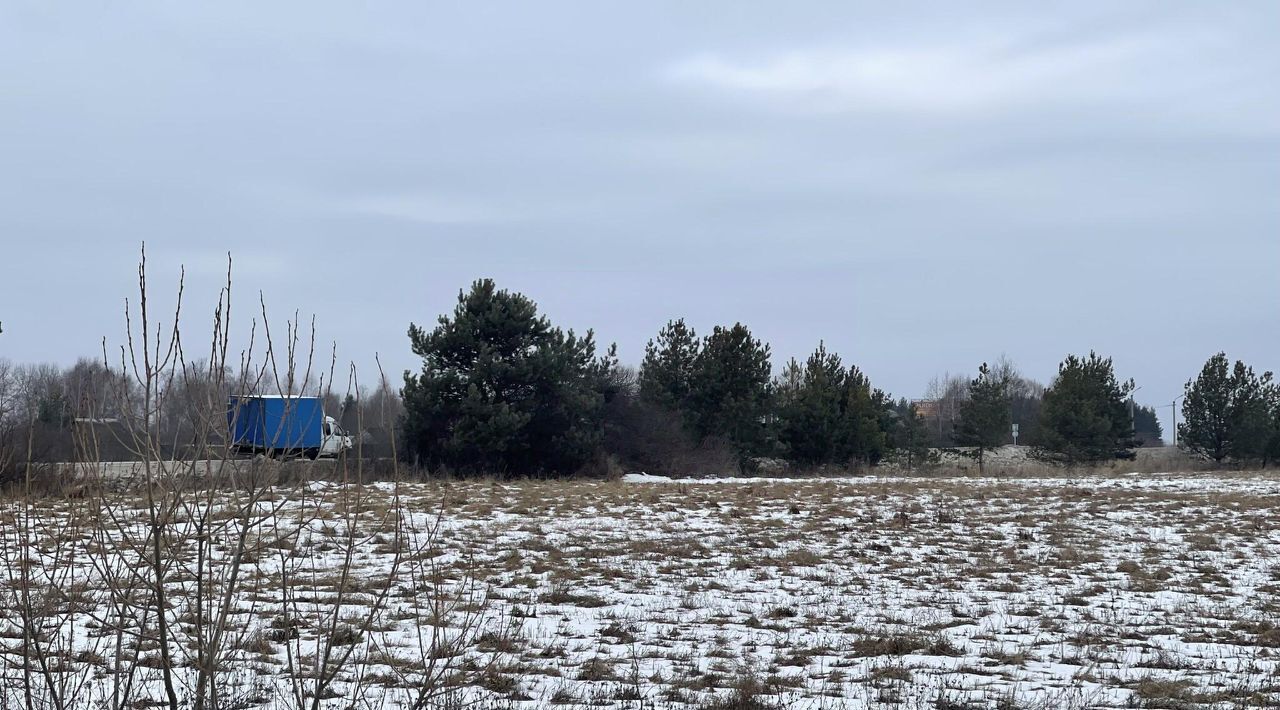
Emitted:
pixel 1206 410
pixel 984 414
pixel 1272 454
pixel 812 422
pixel 1085 414
pixel 868 416
pixel 910 435
pixel 1146 426
pixel 502 391
pixel 1250 414
pixel 1229 412
pixel 830 414
pixel 668 364
pixel 729 389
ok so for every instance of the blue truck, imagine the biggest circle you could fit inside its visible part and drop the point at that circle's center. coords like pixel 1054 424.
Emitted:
pixel 283 425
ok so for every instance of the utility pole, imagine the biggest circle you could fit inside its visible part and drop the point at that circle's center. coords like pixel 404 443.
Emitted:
pixel 1173 408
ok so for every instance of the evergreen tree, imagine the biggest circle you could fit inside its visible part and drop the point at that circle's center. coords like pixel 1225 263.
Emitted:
pixel 729 389
pixel 830 414
pixel 866 415
pixel 54 410
pixel 1250 414
pixel 668 366
pixel 786 386
pixel 502 391
pixel 910 434
pixel 1229 412
pixel 1085 414
pixel 1272 453
pixel 811 412
pixel 349 415
pixel 1206 410
pixel 984 414
pixel 1146 426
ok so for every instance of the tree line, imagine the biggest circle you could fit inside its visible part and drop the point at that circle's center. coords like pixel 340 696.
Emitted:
pixel 501 390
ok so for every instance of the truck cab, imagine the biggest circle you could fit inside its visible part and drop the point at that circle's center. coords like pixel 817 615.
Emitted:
pixel 335 439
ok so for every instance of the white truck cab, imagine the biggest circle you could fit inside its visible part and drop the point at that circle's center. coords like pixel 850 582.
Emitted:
pixel 335 439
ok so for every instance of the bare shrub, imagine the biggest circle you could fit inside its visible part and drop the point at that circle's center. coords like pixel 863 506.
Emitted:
pixel 185 578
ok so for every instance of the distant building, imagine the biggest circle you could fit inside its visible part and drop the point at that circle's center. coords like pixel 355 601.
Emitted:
pixel 928 408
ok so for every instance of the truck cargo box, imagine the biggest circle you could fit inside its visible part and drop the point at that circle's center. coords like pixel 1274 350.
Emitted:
pixel 276 423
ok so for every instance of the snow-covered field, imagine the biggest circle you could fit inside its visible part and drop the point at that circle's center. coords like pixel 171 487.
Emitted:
pixel 1123 591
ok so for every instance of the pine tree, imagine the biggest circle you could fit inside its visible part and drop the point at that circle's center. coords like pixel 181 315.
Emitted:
pixel 1250 414
pixel 984 414
pixel 502 391
pixel 1229 412
pixel 812 422
pixel 1206 407
pixel 349 415
pixel 830 414
pixel 54 410
pixel 866 411
pixel 729 389
pixel 1085 414
pixel 1146 426
pixel 910 434
pixel 668 366
pixel 1272 453
pixel 786 386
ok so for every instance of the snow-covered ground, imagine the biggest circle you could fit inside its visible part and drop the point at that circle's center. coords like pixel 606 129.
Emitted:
pixel 1121 591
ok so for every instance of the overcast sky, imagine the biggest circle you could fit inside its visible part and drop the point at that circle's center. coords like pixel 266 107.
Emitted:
pixel 924 186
